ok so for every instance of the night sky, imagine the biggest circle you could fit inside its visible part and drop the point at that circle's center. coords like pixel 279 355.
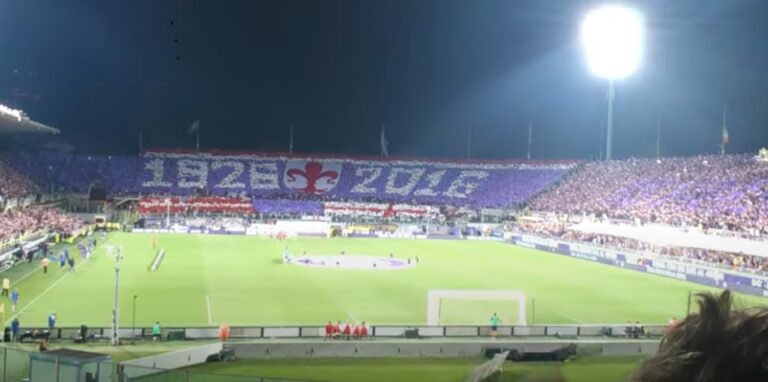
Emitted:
pixel 101 71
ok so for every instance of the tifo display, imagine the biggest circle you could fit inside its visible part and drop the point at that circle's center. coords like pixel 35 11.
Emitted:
pixel 478 184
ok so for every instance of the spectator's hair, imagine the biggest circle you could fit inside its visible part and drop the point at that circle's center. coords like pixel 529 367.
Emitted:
pixel 718 344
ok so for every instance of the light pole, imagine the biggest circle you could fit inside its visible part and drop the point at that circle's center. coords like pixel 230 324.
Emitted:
pixel 167 213
pixel 115 340
pixel 612 37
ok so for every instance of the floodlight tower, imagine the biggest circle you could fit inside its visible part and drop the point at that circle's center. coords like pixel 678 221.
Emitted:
pixel 612 36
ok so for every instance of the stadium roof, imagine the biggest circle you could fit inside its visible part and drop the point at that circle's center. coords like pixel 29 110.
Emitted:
pixel 14 121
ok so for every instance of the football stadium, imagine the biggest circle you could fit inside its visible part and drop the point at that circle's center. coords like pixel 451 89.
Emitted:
pixel 219 259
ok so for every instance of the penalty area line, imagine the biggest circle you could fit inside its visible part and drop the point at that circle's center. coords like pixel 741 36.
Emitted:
pixel 208 304
pixel 570 318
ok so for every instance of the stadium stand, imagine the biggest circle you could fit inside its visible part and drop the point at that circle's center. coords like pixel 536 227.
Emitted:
pixel 161 205
pixel 272 176
pixel 31 220
pixel 13 184
pixel 77 173
pixel 288 207
pixel 726 192
pixel 729 260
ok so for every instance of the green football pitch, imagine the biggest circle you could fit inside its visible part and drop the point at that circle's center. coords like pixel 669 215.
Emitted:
pixel 208 279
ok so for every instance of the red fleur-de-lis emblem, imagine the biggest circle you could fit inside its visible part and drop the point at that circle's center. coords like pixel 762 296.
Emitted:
pixel 317 180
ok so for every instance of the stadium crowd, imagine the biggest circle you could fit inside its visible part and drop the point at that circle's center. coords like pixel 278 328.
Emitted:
pixel 13 184
pixel 721 192
pixel 34 219
pixel 731 260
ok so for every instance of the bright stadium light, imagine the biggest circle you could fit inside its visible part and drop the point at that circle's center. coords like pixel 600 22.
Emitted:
pixel 612 36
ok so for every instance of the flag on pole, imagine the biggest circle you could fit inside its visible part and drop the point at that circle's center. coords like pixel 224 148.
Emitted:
pixel 290 140
pixel 469 141
pixel 195 129
pixel 384 143
pixel 530 138
pixel 658 138
pixel 725 132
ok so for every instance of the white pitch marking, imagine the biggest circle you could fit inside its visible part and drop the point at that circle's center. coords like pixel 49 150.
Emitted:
pixel 49 287
pixel 208 303
pixel 38 296
pixel 570 318
pixel 354 319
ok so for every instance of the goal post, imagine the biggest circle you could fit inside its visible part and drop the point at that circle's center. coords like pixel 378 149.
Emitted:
pixel 435 298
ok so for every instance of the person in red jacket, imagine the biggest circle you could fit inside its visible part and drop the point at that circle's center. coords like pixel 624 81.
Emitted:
pixel 224 332
pixel 347 331
pixel 328 330
pixel 363 330
pixel 356 332
pixel 337 330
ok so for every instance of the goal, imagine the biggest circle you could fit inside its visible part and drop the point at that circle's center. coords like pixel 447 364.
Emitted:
pixel 435 299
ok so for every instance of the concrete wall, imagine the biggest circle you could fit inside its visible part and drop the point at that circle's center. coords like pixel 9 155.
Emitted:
pixel 169 361
pixel 417 348
pixel 309 332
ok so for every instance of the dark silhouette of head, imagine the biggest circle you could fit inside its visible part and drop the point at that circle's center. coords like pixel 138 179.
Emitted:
pixel 717 344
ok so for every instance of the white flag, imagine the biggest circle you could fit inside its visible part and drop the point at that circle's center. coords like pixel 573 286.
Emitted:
pixel 384 143
pixel 194 128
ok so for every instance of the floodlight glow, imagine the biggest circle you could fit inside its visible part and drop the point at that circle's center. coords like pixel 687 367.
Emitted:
pixel 11 112
pixel 612 36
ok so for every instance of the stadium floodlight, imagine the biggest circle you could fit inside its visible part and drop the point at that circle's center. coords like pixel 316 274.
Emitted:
pixel 11 112
pixel 612 36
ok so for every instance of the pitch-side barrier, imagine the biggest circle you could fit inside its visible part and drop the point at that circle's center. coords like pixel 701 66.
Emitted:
pixel 379 331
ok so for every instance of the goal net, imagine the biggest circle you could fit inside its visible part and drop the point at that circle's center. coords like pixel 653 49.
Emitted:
pixel 458 303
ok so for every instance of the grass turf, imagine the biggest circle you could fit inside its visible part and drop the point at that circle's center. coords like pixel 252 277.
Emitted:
pixel 243 281
pixel 603 369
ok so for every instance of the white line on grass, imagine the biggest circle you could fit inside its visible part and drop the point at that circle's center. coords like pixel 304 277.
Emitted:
pixel 27 275
pixel 354 319
pixel 22 309
pixel 38 296
pixel 208 303
pixel 570 318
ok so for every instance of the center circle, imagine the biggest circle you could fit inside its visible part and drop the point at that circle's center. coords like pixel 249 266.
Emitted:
pixel 352 262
